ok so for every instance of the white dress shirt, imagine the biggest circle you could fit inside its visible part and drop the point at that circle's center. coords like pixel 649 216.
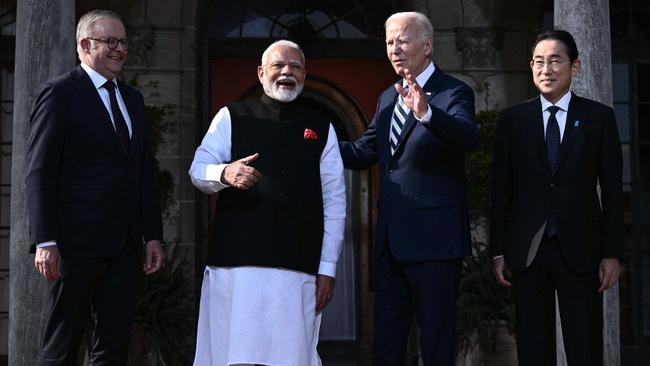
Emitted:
pixel 560 115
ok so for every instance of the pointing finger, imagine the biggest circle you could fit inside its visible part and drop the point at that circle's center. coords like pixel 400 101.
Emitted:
pixel 249 159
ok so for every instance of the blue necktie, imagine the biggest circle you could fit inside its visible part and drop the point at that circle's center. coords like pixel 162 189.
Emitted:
pixel 553 155
pixel 397 123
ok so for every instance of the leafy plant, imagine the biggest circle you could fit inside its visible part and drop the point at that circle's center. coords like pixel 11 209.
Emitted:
pixel 482 303
pixel 479 164
pixel 158 126
pixel 166 307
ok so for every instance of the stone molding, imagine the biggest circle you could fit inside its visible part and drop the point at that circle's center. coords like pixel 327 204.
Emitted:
pixel 479 46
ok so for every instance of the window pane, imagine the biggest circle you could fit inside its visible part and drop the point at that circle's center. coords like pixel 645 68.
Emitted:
pixel 622 112
pixel 644 122
pixel 621 83
pixel 643 81
pixel 627 177
pixel 644 163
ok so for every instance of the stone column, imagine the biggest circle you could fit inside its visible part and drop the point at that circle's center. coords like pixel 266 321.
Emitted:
pixel 588 21
pixel 45 47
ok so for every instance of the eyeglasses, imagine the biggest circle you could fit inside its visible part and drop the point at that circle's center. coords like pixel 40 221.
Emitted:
pixel 554 63
pixel 294 66
pixel 112 43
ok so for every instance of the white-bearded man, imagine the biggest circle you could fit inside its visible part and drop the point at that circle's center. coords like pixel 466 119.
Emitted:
pixel 278 227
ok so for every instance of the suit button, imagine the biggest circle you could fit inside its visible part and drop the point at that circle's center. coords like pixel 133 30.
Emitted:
pixel 552 185
pixel 390 171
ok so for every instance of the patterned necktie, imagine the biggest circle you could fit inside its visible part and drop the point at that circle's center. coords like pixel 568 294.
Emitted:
pixel 120 124
pixel 553 154
pixel 397 123
pixel 552 139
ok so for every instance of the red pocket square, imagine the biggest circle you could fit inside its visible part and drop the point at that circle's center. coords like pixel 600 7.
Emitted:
pixel 310 134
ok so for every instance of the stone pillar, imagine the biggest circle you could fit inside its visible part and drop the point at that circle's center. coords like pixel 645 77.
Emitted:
pixel 588 21
pixel 45 47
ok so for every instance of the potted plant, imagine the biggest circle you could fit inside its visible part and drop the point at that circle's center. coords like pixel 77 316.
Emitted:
pixel 485 309
pixel 163 328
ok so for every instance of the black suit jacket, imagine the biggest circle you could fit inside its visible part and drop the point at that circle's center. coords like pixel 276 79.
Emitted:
pixel 82 190
pixel 422 202
pixel 524 192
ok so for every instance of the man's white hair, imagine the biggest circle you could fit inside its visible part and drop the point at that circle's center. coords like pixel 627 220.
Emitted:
pixel 425 28
pixel 285 43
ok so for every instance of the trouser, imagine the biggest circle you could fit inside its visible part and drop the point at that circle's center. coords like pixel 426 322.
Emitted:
pixel 427 290
pixel 580 307
pixel 104 288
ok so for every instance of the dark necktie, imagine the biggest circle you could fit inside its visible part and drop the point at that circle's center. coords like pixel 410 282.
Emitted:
pixel 553 154
pixel 120 124
pixel 397 123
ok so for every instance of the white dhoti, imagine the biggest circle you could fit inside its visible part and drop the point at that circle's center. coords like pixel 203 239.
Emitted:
pixel 257 315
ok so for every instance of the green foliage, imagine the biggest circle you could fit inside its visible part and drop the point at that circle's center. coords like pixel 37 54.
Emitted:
pixel 479 164
pixel 482 303
pixel 166 306
pixel 159 125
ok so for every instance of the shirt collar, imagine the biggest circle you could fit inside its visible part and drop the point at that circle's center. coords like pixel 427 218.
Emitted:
pixel 424 75
pixel 97 79
pixel 563 103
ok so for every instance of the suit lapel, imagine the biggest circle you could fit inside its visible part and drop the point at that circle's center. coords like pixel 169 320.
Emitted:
pixel 89 96
pixel 571 128
pixel 136 123
pixel 536 119
pixel 389 98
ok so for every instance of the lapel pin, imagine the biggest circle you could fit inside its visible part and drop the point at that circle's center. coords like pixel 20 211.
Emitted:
pixel 428 93
pixel 576 123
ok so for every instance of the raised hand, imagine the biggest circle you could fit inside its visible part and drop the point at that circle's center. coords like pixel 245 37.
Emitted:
pixel 414 96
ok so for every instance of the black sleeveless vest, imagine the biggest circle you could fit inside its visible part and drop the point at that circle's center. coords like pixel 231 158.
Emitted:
pixel 279 221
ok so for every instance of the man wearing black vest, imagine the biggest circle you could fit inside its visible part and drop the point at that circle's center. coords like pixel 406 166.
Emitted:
pixel 278 226
pixel 550 225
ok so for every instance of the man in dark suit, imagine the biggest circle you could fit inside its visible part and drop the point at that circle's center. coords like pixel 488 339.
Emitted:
pixel 549 224
pixel 422 128
pixel 91 197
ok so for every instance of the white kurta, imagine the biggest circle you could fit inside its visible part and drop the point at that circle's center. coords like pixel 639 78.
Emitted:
pixel 257 315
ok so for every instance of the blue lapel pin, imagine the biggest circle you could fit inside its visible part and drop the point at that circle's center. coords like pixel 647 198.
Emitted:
pixel 576 123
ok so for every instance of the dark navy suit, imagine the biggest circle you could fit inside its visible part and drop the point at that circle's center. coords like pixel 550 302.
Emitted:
pixel 589 224
pixel 423 229
pixel 97 203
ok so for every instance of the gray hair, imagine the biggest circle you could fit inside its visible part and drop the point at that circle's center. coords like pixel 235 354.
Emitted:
pixel 425 28
pixel 87 22
pixel 285 43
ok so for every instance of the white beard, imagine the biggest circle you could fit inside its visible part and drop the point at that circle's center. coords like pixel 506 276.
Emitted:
pixel 273 90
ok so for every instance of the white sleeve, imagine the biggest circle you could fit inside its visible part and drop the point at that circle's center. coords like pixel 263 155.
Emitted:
pixel 45 244
pixel 213 154
pixel 334 204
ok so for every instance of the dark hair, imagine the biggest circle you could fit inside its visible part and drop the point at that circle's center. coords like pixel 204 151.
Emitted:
pixel 559 35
